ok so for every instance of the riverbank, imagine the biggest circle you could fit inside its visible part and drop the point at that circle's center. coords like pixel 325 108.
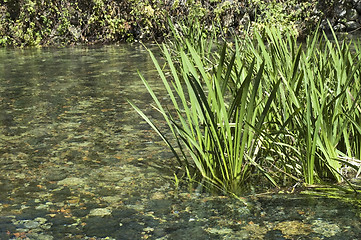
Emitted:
pixel 48 23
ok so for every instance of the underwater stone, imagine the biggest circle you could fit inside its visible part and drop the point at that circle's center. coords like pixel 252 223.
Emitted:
pixel 31 224
pixel 290 228
pixel 113 199
pixel 41 220
pixel 100 212
pixel 325 228
pixel 39 236
pixel 56 174
pixel 72 181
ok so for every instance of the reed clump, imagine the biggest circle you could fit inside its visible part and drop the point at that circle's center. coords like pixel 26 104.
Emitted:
pixel 265 105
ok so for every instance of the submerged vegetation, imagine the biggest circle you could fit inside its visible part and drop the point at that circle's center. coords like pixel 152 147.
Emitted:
pixel 263 107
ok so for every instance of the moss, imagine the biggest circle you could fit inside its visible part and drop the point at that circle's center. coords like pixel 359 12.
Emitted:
pixel 50 22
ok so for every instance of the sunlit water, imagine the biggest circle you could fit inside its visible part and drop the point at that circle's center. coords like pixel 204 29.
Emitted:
pixel 76 162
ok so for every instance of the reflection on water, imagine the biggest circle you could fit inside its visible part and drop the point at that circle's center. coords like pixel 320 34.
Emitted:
pixel 77 162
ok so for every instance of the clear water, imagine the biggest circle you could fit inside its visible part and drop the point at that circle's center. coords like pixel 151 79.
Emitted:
pixel 76 162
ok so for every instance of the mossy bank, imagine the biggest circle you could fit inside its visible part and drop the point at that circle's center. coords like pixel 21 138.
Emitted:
pixel 67 22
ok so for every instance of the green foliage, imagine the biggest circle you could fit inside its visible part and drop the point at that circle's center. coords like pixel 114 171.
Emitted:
pixel 262 106
pixel 316 107
pixel 286 15
pixel 49 22
pixel 64 22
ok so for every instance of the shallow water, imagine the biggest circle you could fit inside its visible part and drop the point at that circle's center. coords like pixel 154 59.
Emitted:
pixel 76 162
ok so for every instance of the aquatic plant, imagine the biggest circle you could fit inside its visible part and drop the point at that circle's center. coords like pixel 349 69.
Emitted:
pixel 317 102
pixel 264 104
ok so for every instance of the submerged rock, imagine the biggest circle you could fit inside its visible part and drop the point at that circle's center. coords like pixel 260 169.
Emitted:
pixel 39 236
pixel 325 228
pixel 72 181
pixel 292 228
pixel 31 224
pixel 56 174
pixel 100 212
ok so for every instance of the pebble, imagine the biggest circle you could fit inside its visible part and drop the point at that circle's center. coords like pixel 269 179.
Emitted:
pixel 100 212
pixel 31 224
pixel 72 181
pixel 39 236
pixel 157 196
pixel 221 231
pixel 325 228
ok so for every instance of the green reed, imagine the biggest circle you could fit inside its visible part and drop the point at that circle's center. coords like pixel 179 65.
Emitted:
pixel 261 105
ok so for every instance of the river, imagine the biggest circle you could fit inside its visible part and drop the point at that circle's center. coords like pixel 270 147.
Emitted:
pixel 77 162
